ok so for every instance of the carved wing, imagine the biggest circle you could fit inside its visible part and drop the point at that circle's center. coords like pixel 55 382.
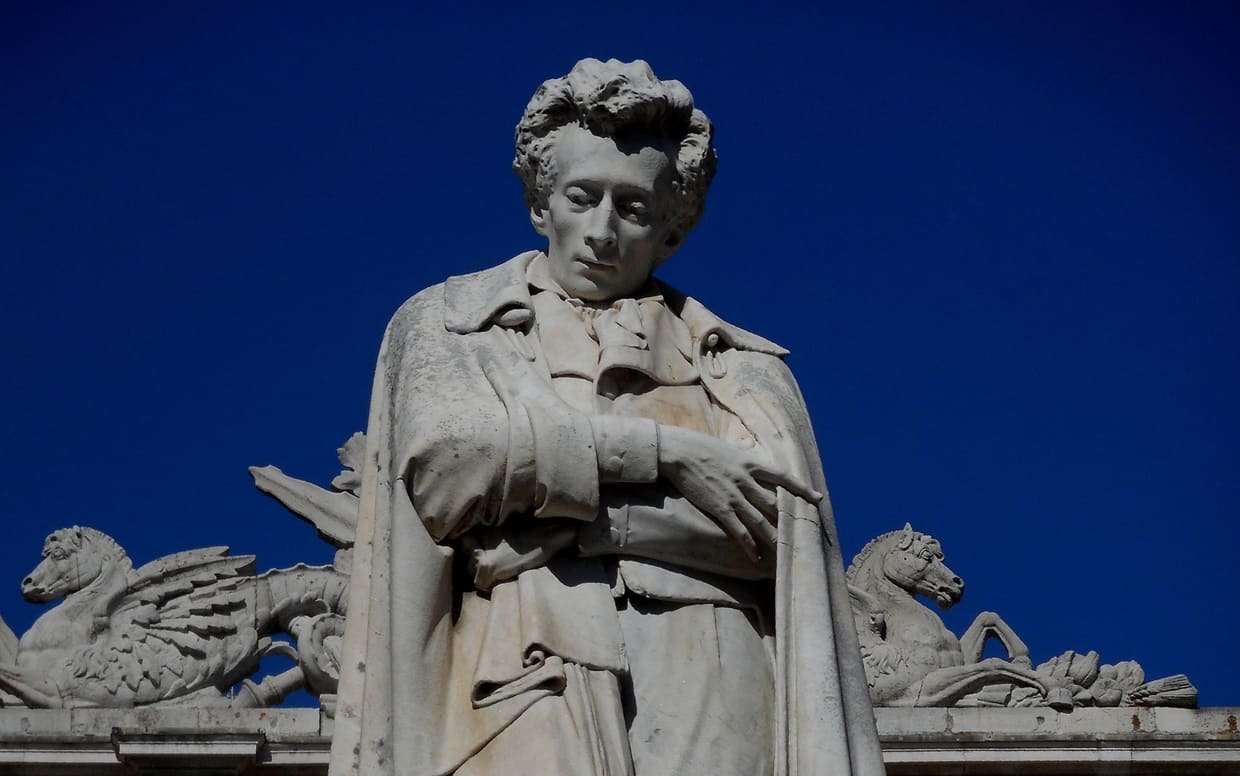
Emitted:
pixel 333 514
pixel 185 623
pixel 170 567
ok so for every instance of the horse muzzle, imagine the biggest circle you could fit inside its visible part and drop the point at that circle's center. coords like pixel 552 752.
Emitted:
pixel 33 592
pixel 948 594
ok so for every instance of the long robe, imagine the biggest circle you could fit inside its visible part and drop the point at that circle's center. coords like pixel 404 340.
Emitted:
pixel 464 425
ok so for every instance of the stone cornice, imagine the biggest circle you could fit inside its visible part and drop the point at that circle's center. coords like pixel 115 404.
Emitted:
pixel 927 742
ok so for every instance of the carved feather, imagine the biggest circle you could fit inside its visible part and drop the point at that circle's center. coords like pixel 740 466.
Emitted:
pixel 333 514
pixel 186 622
pixel 169 564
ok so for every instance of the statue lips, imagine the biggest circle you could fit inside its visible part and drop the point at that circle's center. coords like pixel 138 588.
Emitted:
pixel 596 265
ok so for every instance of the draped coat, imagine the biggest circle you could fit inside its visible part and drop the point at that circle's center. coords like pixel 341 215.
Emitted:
pixel 465 430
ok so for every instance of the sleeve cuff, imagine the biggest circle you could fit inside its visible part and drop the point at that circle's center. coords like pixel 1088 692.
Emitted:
pixel 566 476
pixel 627 449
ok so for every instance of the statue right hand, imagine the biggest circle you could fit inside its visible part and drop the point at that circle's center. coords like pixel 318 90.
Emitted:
pixel 729 484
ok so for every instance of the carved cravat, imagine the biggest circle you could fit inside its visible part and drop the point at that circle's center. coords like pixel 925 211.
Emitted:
pixel 630 357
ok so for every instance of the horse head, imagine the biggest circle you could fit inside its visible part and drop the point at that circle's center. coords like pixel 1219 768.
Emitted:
pixel 915 563
pixel 912 561
pixel 73 558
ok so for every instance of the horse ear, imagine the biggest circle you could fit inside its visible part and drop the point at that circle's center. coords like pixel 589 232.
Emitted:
pixel 906 537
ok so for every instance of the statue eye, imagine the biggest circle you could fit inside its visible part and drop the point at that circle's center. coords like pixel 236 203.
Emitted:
pixel 925 554
pixel 59 554
pixel 579 196
pixel 635 209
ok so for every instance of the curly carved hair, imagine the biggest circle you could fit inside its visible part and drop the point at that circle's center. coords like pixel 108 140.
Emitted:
pixel 613 99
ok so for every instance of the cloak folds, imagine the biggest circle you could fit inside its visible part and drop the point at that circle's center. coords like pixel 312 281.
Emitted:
pixel 462 424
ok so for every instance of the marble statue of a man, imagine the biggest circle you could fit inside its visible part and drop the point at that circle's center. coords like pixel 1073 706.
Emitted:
pixel 593 535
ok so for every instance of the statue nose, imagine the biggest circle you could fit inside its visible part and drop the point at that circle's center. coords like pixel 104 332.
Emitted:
pixel 601 232
pixel 601 238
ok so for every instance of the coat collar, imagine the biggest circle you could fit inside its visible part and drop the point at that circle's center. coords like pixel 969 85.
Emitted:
pixel 474 301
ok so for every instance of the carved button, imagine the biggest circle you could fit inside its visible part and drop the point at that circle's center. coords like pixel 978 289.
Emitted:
pixel 615 463
pixel 712 340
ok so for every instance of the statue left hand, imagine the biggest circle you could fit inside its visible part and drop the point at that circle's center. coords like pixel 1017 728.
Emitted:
pixel 729 484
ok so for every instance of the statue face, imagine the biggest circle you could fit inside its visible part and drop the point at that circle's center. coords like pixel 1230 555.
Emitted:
pixel 605 220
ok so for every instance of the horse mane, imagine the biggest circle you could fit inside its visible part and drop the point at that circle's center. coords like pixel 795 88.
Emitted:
pixel 861 557
pixel 81 537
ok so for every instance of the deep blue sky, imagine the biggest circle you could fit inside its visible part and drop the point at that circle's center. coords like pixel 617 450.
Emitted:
pixel 1002 242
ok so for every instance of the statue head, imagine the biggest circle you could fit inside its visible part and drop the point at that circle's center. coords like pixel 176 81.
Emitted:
pixel 615 165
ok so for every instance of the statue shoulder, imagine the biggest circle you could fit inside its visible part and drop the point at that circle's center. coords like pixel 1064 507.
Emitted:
pixel 703 323
pixel 416 313
pixel 461 304
pixel 467 302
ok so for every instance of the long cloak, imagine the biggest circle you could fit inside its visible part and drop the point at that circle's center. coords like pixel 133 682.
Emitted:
pixel 453 377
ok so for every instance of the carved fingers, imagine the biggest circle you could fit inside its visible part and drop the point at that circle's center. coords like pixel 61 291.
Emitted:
pixel 728 484
pixel 777 477
pixel 751 528
pixel 730 502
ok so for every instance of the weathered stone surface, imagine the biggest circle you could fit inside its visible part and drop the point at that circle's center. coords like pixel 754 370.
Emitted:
pixel 192 752
pixel 8 643
pixel 182 629
pixel 911 659
pixel 280 742
pixel 581 487
pixel 333 513
pixel 929 741
pixel 934 741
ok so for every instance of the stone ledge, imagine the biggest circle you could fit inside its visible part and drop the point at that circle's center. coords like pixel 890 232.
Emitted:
pixel 1219 723
pixel 207 742
pixel 276 724
pixel 927 742
pixel 1128 741
pixel 189 751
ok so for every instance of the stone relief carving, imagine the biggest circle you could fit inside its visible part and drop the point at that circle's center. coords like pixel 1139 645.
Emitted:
pixel 187 628
pixel 912 659
pixel 333 513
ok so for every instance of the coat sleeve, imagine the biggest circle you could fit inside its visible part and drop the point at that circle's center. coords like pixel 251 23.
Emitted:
pixel 482 435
